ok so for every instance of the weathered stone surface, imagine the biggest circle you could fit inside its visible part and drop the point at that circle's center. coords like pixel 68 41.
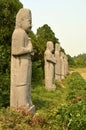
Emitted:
pixel 21 65
pixel 49 66
pixel 58 63
pixel 62 65
pixel 66 64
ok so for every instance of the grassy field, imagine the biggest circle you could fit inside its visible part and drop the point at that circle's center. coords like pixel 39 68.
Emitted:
pixel 82 71
pixel 45 100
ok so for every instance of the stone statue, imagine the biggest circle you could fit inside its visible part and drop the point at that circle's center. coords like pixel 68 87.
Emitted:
pixel 62 65
pixel 57 65
pixel 66 64
pixel 49 66
pixel 21 65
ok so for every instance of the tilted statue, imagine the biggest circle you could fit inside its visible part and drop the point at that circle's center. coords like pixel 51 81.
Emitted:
pixel 21 65
pixel 49 66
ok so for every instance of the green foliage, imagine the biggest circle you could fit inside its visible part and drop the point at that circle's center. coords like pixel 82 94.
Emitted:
pixel 54 110
pixel 43 35
pixel 4 59
pixel 76 86
pixel 37 72
pixel 57 84
pixel 72 114
pixel 69 117
pixel 80 60
pixel 11 119
pixel 75 112
pixel 8 11
pixel 64 109
pixel 39 41
pixel 77 61
pixel 4 89
pixel 70 61
pixel 44 99
pixel 76 81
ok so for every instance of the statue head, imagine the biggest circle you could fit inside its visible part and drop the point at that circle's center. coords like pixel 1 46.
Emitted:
pixel 50 46
pixel 23 19
pixel 62 54
pixel 57 47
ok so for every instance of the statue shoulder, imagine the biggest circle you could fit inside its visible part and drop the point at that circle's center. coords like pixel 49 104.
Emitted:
pixel 19 33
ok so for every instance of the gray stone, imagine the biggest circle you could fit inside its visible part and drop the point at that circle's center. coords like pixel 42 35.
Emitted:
pixel 62 65
pixel 66 64
pixel 49 66
pixel 58 64
pixel 21 65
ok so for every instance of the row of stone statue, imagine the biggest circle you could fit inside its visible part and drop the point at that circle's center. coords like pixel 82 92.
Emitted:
pixel 21 65
pixel 56 65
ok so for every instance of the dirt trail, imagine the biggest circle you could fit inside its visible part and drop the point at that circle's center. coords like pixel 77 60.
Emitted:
pixel 82 71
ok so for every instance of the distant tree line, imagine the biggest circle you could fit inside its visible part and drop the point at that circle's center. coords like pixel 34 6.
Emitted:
pixel 77 61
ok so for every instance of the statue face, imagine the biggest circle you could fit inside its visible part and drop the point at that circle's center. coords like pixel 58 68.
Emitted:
pixel 57 47
pixel 27 23
pixel 24 20
pixel 50 46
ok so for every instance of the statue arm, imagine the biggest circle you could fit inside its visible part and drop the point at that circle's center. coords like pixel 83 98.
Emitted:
pixel 30 47
pixel 19 47
pixel 21 51
pixel 50 58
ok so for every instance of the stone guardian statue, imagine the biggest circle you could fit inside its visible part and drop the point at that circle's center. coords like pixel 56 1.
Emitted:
pixel 49 66
pixel 21 65
pixel 58 64
pixel 66 64
pixel 62 65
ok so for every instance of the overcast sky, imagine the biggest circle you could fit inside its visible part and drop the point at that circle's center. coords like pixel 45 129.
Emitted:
pixel 67 19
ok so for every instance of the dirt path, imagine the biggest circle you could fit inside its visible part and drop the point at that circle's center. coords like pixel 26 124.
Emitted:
pixel 82 71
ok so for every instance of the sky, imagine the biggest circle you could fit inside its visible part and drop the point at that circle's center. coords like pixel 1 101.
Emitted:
pixel 67 19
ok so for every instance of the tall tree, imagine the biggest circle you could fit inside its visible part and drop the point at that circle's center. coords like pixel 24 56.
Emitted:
pixel 8 11
pixel 71 61
pixel 43 35
pixel 80 60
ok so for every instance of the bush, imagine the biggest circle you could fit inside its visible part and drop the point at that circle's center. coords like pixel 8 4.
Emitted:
pixel 72 114
pixel 4 89
pixel 76 86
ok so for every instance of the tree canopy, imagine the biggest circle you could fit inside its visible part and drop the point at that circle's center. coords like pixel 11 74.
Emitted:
pixel 43 35
pixel 8 11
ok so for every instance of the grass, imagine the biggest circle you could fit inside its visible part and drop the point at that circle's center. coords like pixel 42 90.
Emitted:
pixel 47 104
pixel 45 100
pixel 82 71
